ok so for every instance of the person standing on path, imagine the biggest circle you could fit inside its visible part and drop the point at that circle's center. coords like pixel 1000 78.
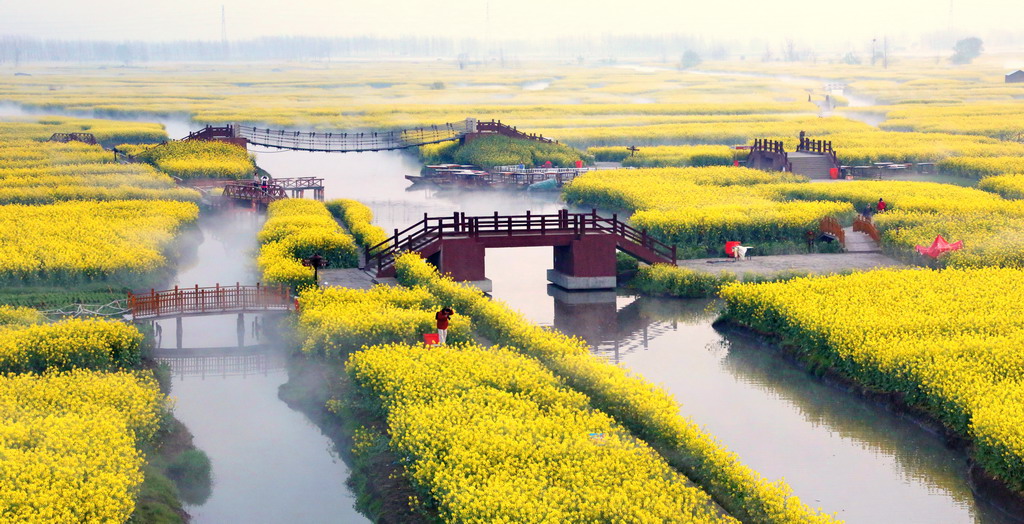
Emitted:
pixel 442 324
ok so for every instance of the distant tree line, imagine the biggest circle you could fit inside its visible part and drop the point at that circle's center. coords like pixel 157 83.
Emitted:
pixel 17 50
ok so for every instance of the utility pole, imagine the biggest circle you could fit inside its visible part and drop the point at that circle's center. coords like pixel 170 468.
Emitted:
pixel 873 53
pixel 223 32
pixel 885 52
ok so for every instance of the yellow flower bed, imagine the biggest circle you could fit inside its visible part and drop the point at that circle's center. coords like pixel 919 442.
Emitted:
pixel 981 167
pixel 198 159
pixel 69 444
pixel 334 321
pixel 664 156
pixel 33 172
pixel 297 229
pixel 107 132
pixel 493 436
pixel 80 241
pixel 650 412
pixel 20 316
pixel 706 206
pixel 358 218
pixel 69 344
pixel 949 340
pixel 919 211
pixel 1008 186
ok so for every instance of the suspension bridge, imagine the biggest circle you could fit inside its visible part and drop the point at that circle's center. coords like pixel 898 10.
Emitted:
pixel 356 142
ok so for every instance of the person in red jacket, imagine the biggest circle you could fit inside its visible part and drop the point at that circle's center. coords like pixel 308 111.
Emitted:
pixel 442 323
pixel 881 205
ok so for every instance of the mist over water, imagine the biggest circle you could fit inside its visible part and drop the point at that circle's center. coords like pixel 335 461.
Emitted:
pixel 271 464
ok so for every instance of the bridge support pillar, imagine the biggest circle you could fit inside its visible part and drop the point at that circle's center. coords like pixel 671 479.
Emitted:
pixel 463 259
pixel 240 327
pixel 178 332
pixel 586 263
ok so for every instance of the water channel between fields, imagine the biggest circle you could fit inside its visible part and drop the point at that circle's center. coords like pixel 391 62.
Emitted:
pixel 836 450
pixel 271 464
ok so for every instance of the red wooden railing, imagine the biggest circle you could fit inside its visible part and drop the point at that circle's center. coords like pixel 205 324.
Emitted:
pixel 831 226
pixel 212 132
pixel 422 234
pixel 495 126
pixel 209 300
pixel 865 225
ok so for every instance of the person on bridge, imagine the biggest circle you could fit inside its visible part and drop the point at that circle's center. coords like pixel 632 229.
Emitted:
pixel 442 323
pixel 881 206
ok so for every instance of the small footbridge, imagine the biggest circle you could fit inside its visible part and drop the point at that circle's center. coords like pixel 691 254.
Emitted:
pixel 584 245
pixel 812 158
pixel 357 142
pixel 217 300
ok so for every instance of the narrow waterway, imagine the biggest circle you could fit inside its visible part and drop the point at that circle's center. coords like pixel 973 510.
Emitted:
pixel 270 463
pixel 836 450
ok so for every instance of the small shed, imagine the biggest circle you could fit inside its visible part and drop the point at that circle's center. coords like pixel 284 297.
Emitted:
pixel 1015 77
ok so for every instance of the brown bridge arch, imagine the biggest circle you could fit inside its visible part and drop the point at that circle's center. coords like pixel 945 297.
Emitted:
pixel 584 245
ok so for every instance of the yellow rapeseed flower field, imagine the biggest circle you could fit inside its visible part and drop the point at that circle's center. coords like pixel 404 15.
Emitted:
pixel 493 436
pixel 82 241
pixel 297 229
pixel 69 444
pixel 651 412
pixel 949 340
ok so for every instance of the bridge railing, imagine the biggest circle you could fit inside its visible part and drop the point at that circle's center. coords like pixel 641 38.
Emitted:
pixel 211 132
pixel 832 227
pixel 306 182
pixel 495 126
pixel 256 193
pixel 865 225
pixel 351 142
pixel 183 301
pixel 822 147
pixel 458 225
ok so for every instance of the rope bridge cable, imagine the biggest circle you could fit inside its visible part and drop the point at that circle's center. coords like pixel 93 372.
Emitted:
pixel 115 308
pixel 352 142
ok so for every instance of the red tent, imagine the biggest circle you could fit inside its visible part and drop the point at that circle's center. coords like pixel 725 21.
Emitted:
pixel 940 246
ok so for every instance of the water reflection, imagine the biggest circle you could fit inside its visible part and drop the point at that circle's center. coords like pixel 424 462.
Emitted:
pixel 835 449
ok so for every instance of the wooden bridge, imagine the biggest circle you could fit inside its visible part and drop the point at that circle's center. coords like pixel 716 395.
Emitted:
pixel 584 245
pixel 812 158
pixel 355 142
pixel 217 300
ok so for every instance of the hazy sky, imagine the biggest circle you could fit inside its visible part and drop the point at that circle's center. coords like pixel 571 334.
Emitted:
pixel 737 19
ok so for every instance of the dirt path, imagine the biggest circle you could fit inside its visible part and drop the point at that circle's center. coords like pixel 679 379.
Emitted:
pixel 819 263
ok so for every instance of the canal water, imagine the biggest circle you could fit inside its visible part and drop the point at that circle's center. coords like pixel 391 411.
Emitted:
pixel 271 464
pixel 836 450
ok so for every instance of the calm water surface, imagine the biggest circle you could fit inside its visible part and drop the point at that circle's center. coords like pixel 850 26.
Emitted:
pixel 272 465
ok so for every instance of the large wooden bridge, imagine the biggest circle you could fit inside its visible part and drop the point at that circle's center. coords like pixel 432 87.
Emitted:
pixel 584 245
pixel 354 142
pixel 216 300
